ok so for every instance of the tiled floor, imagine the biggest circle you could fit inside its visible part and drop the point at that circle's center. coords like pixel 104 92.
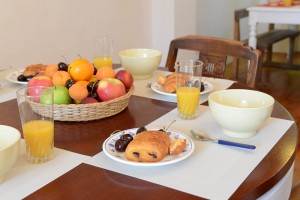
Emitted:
pixel 284 86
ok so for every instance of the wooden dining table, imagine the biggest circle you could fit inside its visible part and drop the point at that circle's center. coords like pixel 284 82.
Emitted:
pixel 89 182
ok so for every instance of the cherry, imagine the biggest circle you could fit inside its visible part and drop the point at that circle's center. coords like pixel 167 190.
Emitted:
pixel 121 145
pixel 127 137
pixel 92 86
pixel 22 78
pixel 62 66
pixel 141 129
pixel 69 83
pixel 29 77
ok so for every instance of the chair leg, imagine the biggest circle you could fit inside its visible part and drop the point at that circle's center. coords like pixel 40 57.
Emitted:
pixel 235 69
pixel 291 50
pixel 259 69
pixel 269 54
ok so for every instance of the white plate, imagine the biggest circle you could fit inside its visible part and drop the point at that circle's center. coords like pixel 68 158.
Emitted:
pixel 156 87
pixel 109 149
pixel 13 77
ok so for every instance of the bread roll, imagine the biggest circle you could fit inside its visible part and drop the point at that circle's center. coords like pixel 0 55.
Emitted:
pixel 148 146
pixel 177 146
pixel 33 70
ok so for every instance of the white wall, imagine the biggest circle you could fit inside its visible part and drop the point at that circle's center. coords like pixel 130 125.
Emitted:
pixel 216 17
pixel 42 31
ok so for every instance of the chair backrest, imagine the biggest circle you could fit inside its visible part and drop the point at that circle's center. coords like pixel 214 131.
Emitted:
pixel 213 52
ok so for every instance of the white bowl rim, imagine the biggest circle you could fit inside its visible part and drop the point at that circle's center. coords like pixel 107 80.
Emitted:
pixel 243 90
pixel 16 132
pixel 121 53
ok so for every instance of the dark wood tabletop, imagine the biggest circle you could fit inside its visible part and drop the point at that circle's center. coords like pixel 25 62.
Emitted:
pixel 89 182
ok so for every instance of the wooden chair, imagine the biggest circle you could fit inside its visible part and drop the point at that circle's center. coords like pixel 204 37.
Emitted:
pixel 265 42
pixel 213 52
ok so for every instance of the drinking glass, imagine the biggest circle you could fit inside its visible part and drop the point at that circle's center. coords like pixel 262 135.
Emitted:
pixel 188 86
pixel 287 2
pixel 103 52
pixel 273 2
pixel 36 113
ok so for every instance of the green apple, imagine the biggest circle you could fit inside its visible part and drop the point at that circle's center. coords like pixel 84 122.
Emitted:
pixel 60 96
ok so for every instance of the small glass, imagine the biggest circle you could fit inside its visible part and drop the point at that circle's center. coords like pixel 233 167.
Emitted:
pixel 188 86
pixel 273 2
pixel 287 2
pixel 36 113
pixel 103 52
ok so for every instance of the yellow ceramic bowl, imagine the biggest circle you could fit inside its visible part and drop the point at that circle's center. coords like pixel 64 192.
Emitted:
pixel 240 113
pixel 9 149
pixel 141 63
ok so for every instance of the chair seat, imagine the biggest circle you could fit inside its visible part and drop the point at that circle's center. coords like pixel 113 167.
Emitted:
pixel 266 39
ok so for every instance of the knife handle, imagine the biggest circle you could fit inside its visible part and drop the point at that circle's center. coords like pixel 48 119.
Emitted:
pixel 235 144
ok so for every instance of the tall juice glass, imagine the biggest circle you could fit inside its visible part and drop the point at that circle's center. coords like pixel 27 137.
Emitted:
pixel 36 113
pixel 188 81
pixel 103 52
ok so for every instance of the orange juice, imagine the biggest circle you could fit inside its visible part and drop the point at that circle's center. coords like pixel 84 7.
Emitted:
pixel 188 101
pixel 287 2
pixel 102 61
pixel 39 137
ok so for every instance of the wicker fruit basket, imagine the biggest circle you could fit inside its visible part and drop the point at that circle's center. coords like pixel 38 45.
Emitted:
pixel 87 112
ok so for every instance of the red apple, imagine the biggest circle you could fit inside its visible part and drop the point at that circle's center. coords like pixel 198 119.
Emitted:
pixel 88 100
pixel 125 77
pixel 110 88
pixel 39 81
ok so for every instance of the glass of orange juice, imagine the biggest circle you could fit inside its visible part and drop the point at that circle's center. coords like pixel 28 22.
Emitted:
pixel 188 86
pixel 287 2
pixel 36 113
pixel 103 52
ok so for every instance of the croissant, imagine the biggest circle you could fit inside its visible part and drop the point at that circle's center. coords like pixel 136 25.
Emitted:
pixel 32 70
pixel 148 146
pixel 170 84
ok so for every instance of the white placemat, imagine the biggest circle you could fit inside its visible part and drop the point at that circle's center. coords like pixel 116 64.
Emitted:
pixel 25 177
pixel 142 87
pixel 213 171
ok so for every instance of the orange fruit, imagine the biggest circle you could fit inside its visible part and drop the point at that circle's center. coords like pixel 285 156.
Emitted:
pixel 81 70
pixel 78 92
pixel 94 78
pixel 51 69
pixel 105 72
pixel 85 83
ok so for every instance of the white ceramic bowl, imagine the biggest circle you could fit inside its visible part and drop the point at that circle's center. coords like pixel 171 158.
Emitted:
pixel 141 63
pixel 9 149
pixel 240 113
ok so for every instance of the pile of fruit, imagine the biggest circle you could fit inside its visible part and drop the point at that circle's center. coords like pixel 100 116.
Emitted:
pixel 81 83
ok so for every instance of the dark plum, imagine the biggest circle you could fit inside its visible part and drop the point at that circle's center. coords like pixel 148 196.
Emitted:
pixel 121 145
pixel 22 78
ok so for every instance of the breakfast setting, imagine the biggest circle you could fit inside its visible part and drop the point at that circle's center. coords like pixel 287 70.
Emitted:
pixel 135 121
pixel 238 119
